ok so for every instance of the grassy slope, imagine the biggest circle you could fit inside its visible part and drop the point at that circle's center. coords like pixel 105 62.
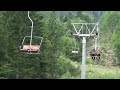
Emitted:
pixel 95 72
pixel 102 72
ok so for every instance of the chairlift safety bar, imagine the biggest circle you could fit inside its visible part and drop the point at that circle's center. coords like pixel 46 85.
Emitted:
pixel 30 37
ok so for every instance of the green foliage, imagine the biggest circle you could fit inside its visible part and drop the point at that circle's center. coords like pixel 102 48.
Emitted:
pixel 110 20
pixel 70 70
pixel 5 71
pixel 110 31
pixel 68 16
pixel 85 16
pixel 116 43
pixel 54 47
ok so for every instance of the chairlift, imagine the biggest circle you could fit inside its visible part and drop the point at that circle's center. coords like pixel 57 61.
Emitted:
pixel 31 48
pixel 95 54
pixel 75 50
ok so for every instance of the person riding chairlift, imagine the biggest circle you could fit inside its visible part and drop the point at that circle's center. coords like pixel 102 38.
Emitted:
pixel 95 56
pixel 92 55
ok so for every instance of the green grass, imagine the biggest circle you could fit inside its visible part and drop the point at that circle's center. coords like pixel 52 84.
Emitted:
pixel 95 72
pixel 102 72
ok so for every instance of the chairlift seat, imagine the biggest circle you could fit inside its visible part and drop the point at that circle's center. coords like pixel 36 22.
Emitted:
pixel 75 52
pixel 33 48
pixel 95 52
